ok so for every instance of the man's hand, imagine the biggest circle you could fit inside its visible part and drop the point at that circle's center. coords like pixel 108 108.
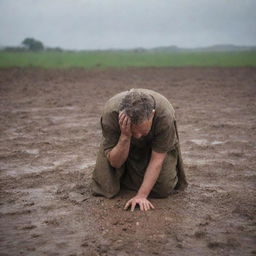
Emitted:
pixel 119 154
pixel 125 124
pixel 141 201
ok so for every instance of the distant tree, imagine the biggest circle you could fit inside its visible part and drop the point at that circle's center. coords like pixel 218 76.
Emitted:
pixel 54 49
pixel 32 44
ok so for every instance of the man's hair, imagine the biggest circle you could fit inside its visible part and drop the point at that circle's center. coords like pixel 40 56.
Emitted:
pixel 137 105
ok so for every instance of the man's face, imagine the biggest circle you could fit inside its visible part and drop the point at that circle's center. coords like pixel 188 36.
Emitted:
pixel 142 129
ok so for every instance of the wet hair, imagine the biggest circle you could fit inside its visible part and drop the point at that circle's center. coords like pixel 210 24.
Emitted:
pixel 137 105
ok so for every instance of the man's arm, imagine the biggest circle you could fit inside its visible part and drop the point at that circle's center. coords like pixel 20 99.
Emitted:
pixel 152 173
pixel 150 178
pixel 118 155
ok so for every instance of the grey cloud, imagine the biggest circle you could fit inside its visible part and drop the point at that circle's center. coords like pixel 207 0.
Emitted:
pixel 93 24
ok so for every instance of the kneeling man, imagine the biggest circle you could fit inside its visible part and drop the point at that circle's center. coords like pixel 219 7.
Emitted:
pixel 139 148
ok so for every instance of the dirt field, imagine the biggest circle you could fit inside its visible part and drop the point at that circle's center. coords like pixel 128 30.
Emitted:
pixel 49 134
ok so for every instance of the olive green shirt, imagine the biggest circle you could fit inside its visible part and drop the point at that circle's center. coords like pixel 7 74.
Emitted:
pixel 162 136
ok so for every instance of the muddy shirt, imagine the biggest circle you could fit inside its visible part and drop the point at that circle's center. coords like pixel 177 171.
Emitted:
pixel 162 136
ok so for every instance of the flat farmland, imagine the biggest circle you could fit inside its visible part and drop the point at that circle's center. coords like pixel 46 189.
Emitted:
pixel 49 137
pixel 103 59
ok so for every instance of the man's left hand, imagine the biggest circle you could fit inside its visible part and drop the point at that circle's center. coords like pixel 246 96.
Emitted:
pixel 141 201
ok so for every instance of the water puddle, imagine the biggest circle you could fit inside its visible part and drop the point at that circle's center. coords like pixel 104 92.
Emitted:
pixel 40 195
pixel 192 161
pixel 43 109
pixel 200 141
pixel 204 142
pixel 217 142
pixel 14 169
pixel 249 173
pixel 86 165
pixel 32 151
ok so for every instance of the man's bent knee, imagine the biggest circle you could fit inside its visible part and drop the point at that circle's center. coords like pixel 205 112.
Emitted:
pixel 164 189
pixel 98 190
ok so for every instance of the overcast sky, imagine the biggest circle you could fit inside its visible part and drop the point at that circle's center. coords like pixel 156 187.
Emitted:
pixel 101 24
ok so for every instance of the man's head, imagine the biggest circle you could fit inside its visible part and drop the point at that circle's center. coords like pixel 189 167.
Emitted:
pixel 139 107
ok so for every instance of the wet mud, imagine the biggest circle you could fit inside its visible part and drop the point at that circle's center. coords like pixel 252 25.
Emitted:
pixel 49 136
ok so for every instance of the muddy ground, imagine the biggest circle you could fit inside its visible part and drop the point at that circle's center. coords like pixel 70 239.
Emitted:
pixel 49 138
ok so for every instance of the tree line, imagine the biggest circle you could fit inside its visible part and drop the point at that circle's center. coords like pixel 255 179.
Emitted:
pixel 31 44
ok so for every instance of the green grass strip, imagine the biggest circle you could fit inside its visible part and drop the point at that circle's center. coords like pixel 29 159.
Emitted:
pixel 101 59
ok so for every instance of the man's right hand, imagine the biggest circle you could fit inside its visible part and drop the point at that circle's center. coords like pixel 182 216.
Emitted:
pixel 125 125
pixel 118 155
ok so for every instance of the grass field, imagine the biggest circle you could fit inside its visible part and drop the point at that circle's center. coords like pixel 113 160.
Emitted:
pixel 102 59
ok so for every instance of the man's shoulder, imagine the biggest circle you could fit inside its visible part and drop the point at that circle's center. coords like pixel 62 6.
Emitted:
pixel 163 106
pixel 114 102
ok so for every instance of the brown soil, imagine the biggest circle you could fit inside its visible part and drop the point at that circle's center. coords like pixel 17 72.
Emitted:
pixel 49 138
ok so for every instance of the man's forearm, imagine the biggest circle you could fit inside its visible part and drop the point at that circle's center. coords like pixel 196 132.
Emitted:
pixel 151 175
pixel 118 155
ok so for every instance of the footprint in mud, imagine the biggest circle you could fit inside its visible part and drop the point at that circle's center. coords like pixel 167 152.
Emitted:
pixel 61 244
pixel 215 245
pixel 200 234
pixel 99 248
pixel 208 219
pixel 88 242
pixel 27 227
pixel 22 212
pixel 28 204
pixel 35 235
pixel 52 222
pixel 77 197
pixel 231 243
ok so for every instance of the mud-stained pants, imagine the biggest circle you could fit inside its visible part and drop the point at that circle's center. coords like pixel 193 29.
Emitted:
pixel 108 180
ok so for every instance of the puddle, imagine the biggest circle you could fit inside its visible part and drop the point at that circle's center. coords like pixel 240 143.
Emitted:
pixel 32 151
pixel 40 195
pixel 63 161
pixel 217 142
pixel 13 169
pixel 17 171
pixel 34 199
pixel 206 142
pixel 191 161
pixel 212 187
pixel 86 165
pixel 249 173
pixel 208 161
pixel 43 109
pixel 200 141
